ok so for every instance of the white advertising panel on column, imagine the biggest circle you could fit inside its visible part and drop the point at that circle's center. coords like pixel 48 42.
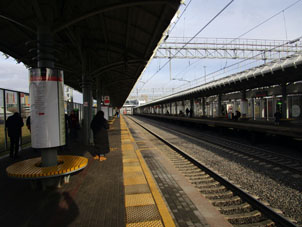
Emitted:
pixel 47 108
pixel 105 109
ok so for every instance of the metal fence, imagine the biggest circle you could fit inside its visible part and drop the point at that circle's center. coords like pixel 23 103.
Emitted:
pixel 14 101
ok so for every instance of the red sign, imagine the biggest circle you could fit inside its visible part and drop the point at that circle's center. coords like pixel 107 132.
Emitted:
pixel 106 100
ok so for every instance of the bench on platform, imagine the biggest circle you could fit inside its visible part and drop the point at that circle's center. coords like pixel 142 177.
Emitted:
pixel 31 169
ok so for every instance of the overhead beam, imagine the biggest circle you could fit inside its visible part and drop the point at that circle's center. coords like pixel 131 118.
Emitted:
pixel 15 21
pixel 108 67
pixel 112 7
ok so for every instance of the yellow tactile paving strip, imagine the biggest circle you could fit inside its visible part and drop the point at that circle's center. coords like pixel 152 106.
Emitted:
pixel 30 168
pixel 145 207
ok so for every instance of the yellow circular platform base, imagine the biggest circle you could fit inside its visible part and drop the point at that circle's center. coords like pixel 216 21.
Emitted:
pixel 31 169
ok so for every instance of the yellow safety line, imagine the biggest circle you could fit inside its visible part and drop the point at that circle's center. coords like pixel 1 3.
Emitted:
pixel 161 205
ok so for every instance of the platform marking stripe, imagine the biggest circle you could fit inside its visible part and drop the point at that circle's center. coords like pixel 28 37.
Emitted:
pixel 137 205
pixel 162 207
pixel 163 210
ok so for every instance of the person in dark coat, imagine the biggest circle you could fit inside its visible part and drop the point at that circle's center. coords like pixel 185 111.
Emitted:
pixel 237 116
pixel 277 116
pixel 187 112
pixel 74 124
pixel 99 126
pixel 14 124
pixel 28 123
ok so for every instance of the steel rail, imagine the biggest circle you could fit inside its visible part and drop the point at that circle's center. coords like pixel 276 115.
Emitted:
pixel 238 150
pixel 277 218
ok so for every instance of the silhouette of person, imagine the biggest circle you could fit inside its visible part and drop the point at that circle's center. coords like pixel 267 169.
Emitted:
pixel 28 123
pixel 237 116
pixel 14 124
pixel 99 126
pixel 74 124
pixel 277 116
pixel 187 112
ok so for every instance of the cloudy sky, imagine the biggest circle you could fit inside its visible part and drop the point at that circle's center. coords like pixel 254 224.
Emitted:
pixel 238 18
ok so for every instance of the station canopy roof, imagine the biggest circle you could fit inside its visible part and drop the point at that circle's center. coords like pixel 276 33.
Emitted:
pixel 277 72
pixel 111 40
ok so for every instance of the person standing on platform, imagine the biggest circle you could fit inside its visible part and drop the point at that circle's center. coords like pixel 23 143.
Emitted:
pixel 277 116
pixel 237 116
pixel 14 124
pixel 187 112
pixel 28 123
pixel 99 126
pixel 74 124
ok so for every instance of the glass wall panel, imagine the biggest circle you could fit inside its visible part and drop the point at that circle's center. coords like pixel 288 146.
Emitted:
pixel 12 105
pixel 25 112
pixel 2 126
pixel 11 101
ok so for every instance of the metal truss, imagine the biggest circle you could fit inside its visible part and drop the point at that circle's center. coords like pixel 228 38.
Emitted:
pixel 227 48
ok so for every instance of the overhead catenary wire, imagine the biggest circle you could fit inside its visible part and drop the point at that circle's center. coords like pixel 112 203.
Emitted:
pixel 243 34
pixel 258 25
pixel 207 24
pixel 187 5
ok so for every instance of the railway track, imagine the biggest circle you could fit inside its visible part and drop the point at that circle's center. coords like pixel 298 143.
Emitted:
pixel 283 162
pixel 239 207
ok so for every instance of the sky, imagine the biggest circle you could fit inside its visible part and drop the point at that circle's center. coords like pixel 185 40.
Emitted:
pixel 238 18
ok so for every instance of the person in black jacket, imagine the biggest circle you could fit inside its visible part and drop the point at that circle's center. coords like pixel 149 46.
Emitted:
pixel 14 124
pixel 99 126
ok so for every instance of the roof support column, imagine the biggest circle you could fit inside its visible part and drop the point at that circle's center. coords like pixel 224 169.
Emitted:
pixel 219 106
pixel 253 108
pixel 203 106
pixel 284 101
pixel 99 94
pixel 192 107
pixel 46 94
pixel 87 108
pixel 243 104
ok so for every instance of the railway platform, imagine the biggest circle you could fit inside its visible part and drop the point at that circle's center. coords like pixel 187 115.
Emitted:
pixel 135 186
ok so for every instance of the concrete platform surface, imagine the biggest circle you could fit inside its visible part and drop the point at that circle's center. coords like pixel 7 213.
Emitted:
pixel 130 188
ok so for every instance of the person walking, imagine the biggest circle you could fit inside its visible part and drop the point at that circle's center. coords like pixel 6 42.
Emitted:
pixel 99 126
pixel 14 124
